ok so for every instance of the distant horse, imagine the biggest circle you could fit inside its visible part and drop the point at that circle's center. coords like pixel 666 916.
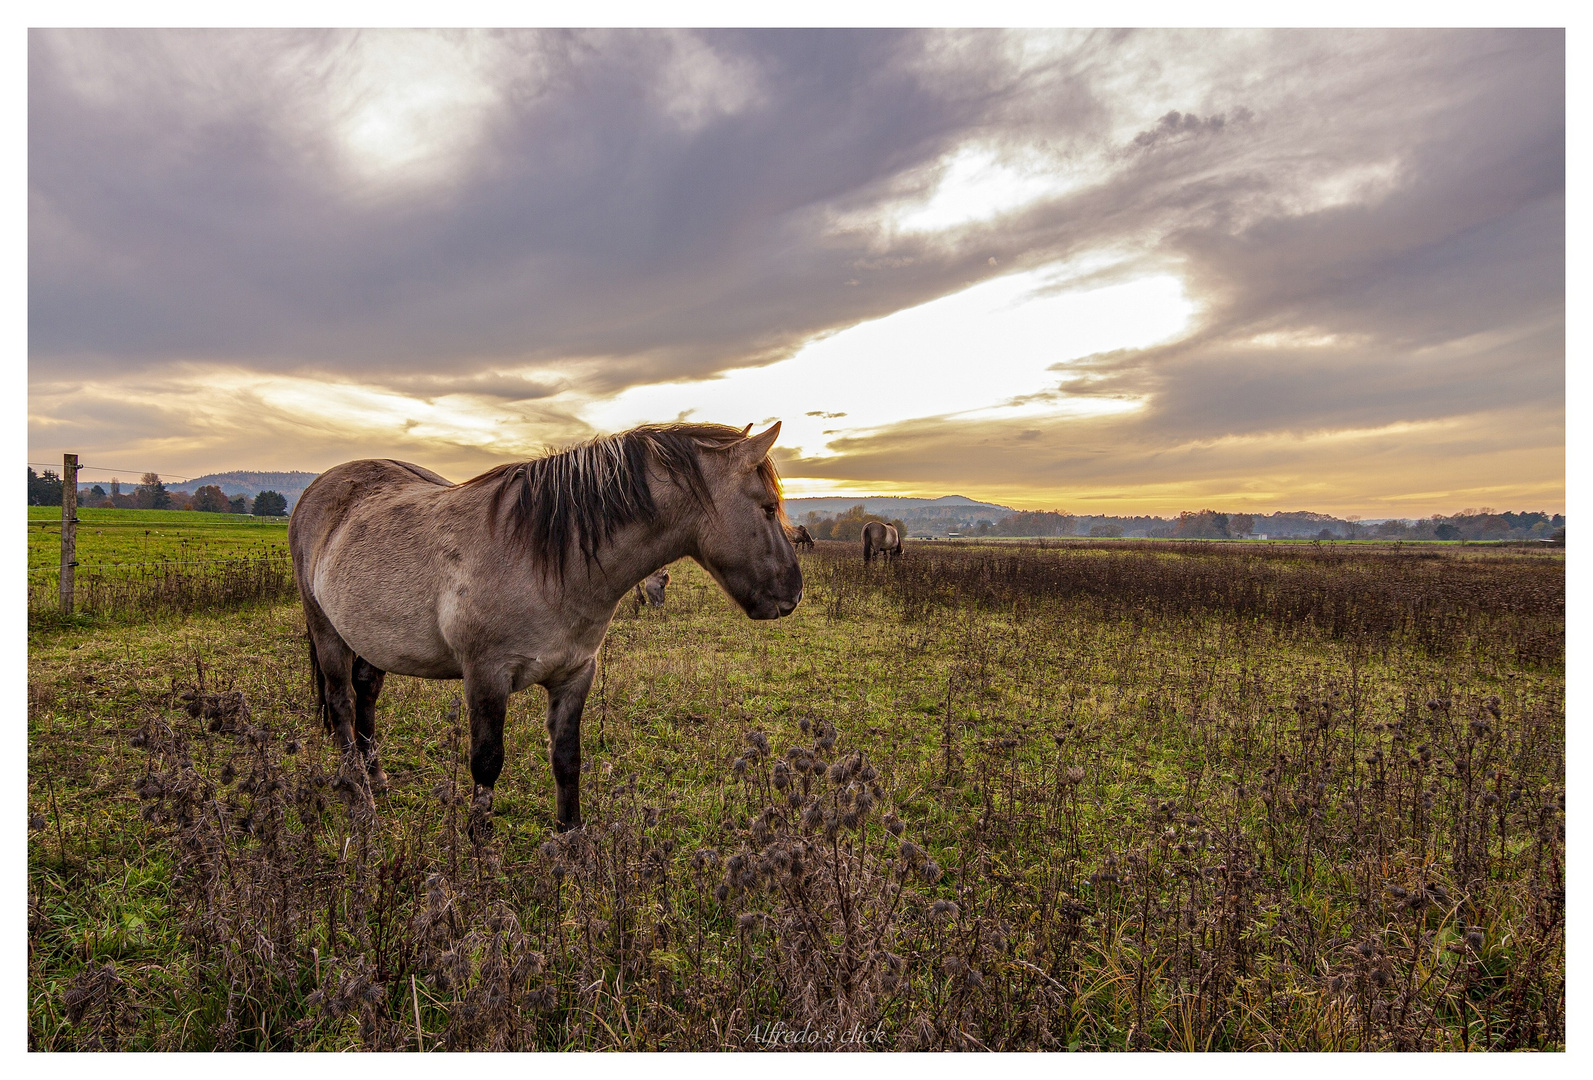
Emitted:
pixel 881 539
pixel 650 590
pixel 801 538
pixel 512 578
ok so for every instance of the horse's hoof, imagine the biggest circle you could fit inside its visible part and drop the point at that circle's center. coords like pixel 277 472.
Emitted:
pixel 479 827
pixel 378 779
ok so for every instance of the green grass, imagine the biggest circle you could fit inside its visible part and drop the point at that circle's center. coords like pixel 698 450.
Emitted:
pixel 116 538
pixel 1072 894
pixel 136 565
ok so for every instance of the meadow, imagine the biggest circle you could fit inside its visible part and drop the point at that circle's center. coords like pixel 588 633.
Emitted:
pixel 1064 795
pixel 137 564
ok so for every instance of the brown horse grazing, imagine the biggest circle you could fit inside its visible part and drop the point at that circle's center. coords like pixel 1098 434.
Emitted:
pixel 512 578
pixel 801 538
pixel 650 590
pixel 881 539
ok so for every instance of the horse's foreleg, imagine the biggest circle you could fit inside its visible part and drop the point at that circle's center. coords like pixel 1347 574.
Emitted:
pixel 566 699
pixel 488 700
pixel 368 681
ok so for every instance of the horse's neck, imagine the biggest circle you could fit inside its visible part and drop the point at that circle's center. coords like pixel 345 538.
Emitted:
pixel 634 552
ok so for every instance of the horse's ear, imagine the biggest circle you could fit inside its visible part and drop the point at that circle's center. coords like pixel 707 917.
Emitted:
pixel 746 431
pixel 755 449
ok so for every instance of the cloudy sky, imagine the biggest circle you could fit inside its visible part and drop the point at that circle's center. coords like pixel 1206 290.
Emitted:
pixel 1110 272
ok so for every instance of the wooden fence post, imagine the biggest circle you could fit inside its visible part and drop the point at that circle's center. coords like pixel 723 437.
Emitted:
pixel 68 530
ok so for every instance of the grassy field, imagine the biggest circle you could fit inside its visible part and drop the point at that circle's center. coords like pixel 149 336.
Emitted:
pixel 1070 796
pixel 135 564
pixel 122 539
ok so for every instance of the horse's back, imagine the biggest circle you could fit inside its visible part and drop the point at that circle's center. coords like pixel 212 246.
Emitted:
pixel 880 534
pixel 376 551
pixel 368 488
pixel 342 485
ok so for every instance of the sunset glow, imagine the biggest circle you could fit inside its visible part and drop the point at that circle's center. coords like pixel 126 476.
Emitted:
pixel 1138 272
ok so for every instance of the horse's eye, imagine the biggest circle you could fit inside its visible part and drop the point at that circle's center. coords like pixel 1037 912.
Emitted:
pixel 770 511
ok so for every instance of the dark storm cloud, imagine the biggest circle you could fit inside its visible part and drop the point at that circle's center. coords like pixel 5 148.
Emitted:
pixel 588 221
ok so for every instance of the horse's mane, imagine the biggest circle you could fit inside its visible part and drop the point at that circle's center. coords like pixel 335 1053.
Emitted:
pixel 581 496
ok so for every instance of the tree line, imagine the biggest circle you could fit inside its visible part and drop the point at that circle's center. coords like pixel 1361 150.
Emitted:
pixel 847 525
pixel 1469 524
pixel 1207 524
pixel 47 489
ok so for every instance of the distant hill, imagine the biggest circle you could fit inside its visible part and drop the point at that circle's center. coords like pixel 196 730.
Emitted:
pixel 898 506
pixel 288 484
pixel 949 514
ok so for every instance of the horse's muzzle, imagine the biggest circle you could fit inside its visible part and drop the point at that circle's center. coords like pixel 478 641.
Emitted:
pixel 770 607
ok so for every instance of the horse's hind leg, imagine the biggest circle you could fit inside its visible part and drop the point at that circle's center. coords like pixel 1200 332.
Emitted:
pixel 334 662
pixel 367 679
pixel 321 704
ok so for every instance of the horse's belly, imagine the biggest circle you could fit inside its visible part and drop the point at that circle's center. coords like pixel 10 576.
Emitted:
pixel 396 638
pixel 421 667
pixel 421 655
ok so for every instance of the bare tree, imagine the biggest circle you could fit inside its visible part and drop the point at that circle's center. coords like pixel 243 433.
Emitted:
pixel 151 494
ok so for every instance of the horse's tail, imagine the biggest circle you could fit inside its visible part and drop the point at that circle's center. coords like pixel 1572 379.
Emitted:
pixel 321 705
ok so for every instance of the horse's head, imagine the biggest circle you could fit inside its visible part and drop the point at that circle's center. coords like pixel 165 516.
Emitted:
pixel 743 542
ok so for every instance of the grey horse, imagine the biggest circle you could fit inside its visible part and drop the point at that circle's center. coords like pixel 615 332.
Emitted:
pixel 650 590
pixel 881 539
pixel 512 578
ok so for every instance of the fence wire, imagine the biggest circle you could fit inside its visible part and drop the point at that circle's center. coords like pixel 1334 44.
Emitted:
pixel 141 591
pixel 158 562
